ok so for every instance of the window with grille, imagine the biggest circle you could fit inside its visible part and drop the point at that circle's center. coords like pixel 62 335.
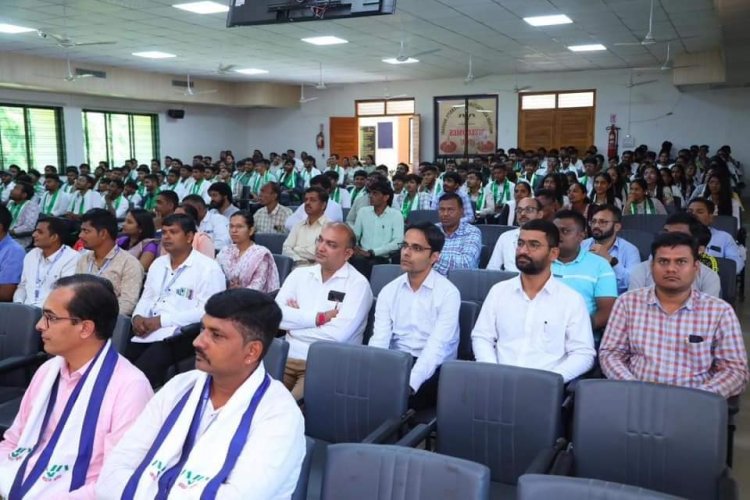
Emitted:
pixel 115 137
pixel 384 107
pixel 31 137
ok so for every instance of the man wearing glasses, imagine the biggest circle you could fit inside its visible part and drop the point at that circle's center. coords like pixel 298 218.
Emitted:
pixel 328 300
pixel 79 403
pixel 504 255
pixel 417 313
pixel 522 322
pixel 622 255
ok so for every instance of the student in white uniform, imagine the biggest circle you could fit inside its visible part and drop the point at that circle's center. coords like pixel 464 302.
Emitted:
pixel 212 223
pixel 54 200
pixel 225 430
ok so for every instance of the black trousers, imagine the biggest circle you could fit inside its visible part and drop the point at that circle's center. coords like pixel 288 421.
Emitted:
pixel 364 264
pixel 155 358
pixel 426 396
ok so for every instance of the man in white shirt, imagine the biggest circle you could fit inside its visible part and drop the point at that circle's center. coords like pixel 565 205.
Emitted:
pixel 177 287
pixel 6 186
pixel 199 185
pixel 226 430
pixel 327 301
pixel 417 313
pixel 47 262
pixel 84 199
pixel 309 171
pixel 333 211
pixel 54 201
pixel 115 201
pixel 221 200
pixel 212 223
pixel 522 322
pixel 504 255
pixel 338 193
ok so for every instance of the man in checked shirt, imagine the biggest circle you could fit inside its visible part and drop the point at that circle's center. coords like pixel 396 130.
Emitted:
pixel 673 334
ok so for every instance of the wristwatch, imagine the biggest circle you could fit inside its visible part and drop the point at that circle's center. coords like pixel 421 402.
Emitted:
pixel 613 261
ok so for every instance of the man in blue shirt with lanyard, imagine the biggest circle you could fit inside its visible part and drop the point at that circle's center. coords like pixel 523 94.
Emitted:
pixel 225 430
pixel 11 258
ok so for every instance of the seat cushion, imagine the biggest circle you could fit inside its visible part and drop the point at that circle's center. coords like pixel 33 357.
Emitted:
pixel 8 393
pixel 502 491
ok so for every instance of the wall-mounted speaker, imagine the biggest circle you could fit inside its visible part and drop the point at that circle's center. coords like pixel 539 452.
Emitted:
pixel 177 114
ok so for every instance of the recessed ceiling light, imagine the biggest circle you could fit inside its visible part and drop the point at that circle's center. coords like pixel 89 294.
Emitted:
pixel 587 48
pixel 393 60
pixel 13 29
pixel 202 7
pixel 325 40
pixel 548 20
pixel 251 71
pixel 154 54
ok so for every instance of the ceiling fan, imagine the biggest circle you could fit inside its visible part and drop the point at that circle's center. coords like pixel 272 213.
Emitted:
pixel 72 77
pixel 302 98
pixel 470 77
pixel 189 92
pixel 632 84
pixel 225 69
pixel 667 65
pixel 67 43
pixel 403 56
pixel 321 84
pixel 649 39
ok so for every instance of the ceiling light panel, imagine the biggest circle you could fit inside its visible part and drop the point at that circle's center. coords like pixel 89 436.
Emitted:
pixel 393 60
pixel 202 7
pixel 12 29
pixel 251 71
pixel 593 47
pixel 548 20
pixel 325 40
pixel 154 54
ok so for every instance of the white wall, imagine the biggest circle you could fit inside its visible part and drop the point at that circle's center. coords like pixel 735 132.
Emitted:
pixel 204 130
pixel 713 117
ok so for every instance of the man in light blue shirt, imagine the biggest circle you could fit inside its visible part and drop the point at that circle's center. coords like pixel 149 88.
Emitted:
pixel 11 258
pixel 463 241
pixel 722 244
pixel 587 273
pixel 622 255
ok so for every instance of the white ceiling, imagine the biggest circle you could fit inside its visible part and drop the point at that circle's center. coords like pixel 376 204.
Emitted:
pixel 491 31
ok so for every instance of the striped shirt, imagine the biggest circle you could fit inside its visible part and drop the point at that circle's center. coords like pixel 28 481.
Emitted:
pixel 589 275
pixel 700 345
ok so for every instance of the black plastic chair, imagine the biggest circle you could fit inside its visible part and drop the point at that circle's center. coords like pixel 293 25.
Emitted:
pixel 382 274
pixel 416 216
pixel 122 333
pixel 728 278
pixel 491 233
pixel 727 223
pixel 653 223
pixel 475 284
pixel 20 348
pixel 275 359
pixel 300 492
pixel 284 265
pixel 467 316
pixel 544 487
pixel 274 242
pixel 641 239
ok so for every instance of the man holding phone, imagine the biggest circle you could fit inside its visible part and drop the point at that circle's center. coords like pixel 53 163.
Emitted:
pixel 327 301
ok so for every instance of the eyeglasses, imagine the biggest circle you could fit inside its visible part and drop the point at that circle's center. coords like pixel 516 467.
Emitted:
pixel 601 222
pixel 51 318
pixel 532 245
pixel 526 210
pixel 414 248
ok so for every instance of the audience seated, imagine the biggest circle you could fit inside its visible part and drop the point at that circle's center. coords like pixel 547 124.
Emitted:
pixel 587 273
pixel 115 201
pixel 358 187
pixel 338 193
pixel 417 313
pixel 6 186
pixel 199 185
pixel 523 321
pixel 327 301
pixel 410 198
pixel 463 241
pixel 700 340
pixel 706 279
pixel 333 211
pixel 177 287
pixel 245 264
pixel 623 256
pixel 79 403
pixel 47 262
pixel 221 200
pixel 84 199
pixel 24 212
pixel 722 244
pixel 139 237
pixel 504 254
pixel 639 201
pixel 291 184
pixel 227 429
pixel 452 184
pixel 520 191
pixel 11 258
pixel 363 200
pixel 301 243
pixel 213 224
pixel 54 202
pixel 272 216
pixel 104 258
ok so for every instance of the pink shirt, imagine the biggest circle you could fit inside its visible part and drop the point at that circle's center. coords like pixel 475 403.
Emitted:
pixel 127 394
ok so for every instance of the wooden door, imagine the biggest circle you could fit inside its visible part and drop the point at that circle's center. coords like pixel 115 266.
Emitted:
pixel 552 128
pixel 344 135
pixel 536 128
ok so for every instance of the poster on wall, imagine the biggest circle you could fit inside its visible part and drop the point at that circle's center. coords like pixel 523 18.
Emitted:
pixel 366 141
pixel 465 125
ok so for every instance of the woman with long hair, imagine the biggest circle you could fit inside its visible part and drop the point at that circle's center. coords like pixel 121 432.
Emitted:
pixel 245 264
pixel 620 176
pixel 639 202
pixel 680 182
pixel 578 199
pixel 719 190
pixel 556 183
pixel 603 191
pixel 138 236
pixel 668 180
pixel 656 188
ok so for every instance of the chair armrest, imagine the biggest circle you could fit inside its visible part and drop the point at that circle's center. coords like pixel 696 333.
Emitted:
pixel 16 362
pixel 733 404
pixel 543 460
pixel 193 329
pixel 387 429
pixel 563 463
pixel 417 434
pixel 727 487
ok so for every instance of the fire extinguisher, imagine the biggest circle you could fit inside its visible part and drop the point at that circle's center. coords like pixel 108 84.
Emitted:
pixel 612 141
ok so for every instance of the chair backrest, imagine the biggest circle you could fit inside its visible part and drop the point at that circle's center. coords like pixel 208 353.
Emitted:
pixel 422 216
pixel 491 232
pixel 484 256
pixel 370 325
pixel 653 223
pixel 366 471
pixel 498 415
pixel 345 212
pixel 544 487
pixel 122 334
pixel 284 265
pixel 300 492
pixel 352 389
pixel 18 336
pixel 475 284
pixel 274 242
pixel 726 223
pixel 382 274
pixel 660 437
pixel 467 316
pixel 728 278
pixel 641 239
pixel 275 358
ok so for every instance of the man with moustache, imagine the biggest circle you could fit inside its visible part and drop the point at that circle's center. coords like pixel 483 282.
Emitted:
pixel 521 322
pixel 504 255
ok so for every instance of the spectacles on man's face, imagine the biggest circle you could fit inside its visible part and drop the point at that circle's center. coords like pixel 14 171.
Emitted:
pixel 526 210
pixel 51 318
pixel 601 222
pixel 414 248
